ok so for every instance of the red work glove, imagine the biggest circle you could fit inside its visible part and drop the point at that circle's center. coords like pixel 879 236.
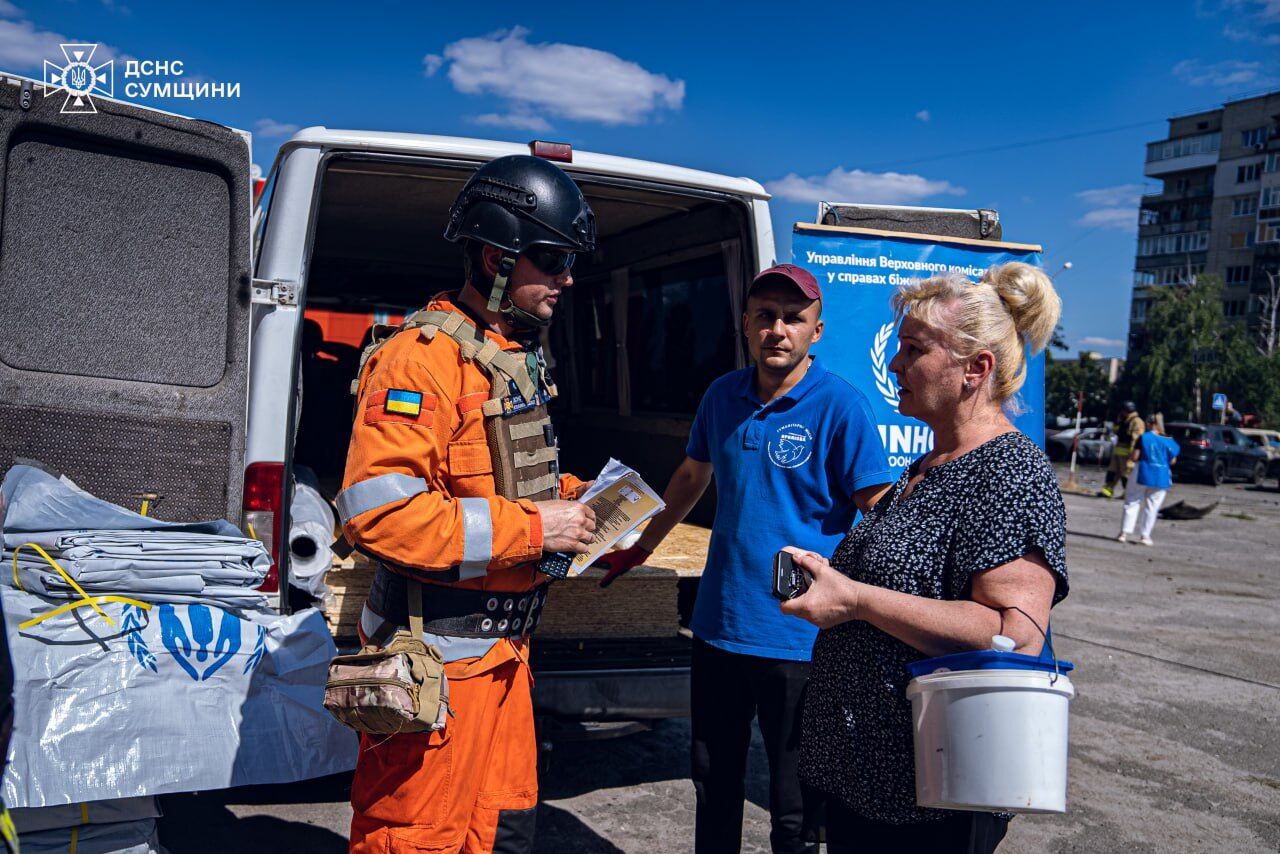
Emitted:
pixel 616 563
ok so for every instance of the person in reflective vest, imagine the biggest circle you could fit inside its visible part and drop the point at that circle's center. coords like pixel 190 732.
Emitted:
pixel 452 479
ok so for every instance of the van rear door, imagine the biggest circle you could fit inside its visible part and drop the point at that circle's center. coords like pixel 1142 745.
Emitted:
pixel 124 301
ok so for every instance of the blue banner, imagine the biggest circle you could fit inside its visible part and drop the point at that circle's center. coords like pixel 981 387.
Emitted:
pixel 858 272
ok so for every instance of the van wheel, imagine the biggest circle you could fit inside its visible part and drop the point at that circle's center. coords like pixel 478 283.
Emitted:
pixel 1259 472
pixel 1219 473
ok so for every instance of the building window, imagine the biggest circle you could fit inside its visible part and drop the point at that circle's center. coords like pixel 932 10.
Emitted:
pixel 1248 172
pixel 1245 206
pixel 1250 138
pixel 1139 310
pixel 1143 278
pixel 1203 144
pixel 1270 197
pixel 1170 244
pixel 1238 275
pixel 1147 216
pixel 1273 162
pixel 1269 231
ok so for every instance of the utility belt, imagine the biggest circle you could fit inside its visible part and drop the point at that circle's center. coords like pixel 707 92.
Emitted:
pixel 456 612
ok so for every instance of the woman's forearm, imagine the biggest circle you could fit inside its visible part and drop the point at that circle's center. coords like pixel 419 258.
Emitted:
pixel 933 626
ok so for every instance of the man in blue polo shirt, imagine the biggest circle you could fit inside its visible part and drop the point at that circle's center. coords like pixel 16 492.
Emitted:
pixel 795 453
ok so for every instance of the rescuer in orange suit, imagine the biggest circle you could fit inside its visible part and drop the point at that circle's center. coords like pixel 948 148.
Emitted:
pixel 452 478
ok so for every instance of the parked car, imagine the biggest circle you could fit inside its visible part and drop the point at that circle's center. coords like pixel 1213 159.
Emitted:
pixel 1096 445
pixel 1215 452
pixel 1269 442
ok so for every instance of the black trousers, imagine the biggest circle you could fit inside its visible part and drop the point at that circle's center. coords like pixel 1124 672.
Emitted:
pixel 728 690
pixel 967 833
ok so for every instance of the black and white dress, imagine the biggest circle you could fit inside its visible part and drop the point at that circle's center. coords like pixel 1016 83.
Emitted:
pixel 985 508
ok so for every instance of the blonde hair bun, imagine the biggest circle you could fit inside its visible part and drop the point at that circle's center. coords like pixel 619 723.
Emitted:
pixel 1031 299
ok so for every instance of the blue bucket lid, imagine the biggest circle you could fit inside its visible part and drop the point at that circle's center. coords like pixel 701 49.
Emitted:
pixel 986 659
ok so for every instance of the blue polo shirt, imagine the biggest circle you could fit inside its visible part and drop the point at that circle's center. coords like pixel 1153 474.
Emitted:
pixel 785 474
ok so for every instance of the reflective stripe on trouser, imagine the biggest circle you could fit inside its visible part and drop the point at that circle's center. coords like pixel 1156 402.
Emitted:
pixel 466 788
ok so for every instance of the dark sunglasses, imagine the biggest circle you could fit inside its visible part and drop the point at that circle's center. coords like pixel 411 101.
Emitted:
pixel 550 260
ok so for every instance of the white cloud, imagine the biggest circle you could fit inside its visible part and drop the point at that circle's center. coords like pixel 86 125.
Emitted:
pixel 523 121
pixel 923 115
pixel 24 47
pixel 1239 35
pixel 8 10
pixel 1095 341
pixel 840 185
pixel 271 127
pixel 552 80
pixel 1110 197
pixel 1121 219
pixel 1263 11
pixel 1230 72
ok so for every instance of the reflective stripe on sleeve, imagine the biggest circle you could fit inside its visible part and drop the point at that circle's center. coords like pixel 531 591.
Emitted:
pixel 375 492
pixel 477 533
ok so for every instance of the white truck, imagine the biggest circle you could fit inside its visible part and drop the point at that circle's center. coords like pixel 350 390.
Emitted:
pixel 164 337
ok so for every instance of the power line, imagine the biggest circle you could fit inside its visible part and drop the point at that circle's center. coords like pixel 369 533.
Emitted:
pixel 1013 145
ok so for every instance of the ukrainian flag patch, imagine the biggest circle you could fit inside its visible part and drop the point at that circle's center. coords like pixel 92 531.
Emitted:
pixel 403 402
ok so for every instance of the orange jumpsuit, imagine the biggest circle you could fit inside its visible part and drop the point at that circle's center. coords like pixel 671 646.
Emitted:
pixel 424 499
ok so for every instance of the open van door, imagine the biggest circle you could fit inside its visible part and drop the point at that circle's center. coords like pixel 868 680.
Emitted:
pixel 124 301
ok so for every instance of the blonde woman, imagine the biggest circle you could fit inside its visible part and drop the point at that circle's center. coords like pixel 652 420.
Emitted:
pixel 1155 454
pixel 969 543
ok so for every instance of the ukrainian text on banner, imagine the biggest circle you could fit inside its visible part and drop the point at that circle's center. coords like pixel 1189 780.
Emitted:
pixel 859 270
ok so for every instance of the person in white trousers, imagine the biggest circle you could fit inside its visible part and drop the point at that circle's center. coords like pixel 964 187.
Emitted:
pixel 1155 454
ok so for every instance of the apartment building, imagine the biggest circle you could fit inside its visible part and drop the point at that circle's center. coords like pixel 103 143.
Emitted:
pixel 1216 209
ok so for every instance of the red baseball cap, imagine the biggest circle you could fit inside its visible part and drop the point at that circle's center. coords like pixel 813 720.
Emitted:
pixel 788 274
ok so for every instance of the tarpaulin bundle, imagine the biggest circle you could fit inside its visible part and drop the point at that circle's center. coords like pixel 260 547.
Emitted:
pixel 61 542
pixel 170 698
pixel 119 826
pixel 145 663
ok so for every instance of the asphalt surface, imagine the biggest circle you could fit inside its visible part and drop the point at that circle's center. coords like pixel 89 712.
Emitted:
pixel 1175 732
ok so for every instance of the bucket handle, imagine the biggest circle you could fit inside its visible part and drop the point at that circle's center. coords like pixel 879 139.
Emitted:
pixel 1047 642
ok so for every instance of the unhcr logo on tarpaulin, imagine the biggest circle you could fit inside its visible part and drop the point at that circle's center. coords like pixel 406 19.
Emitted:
pixel 79 78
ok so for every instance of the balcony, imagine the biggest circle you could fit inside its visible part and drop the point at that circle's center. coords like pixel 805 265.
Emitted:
pixel 1156 197
pixel 1186 162
pixel 1157 229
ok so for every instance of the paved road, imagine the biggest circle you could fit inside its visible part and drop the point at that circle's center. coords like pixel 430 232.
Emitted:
pixel 1175 733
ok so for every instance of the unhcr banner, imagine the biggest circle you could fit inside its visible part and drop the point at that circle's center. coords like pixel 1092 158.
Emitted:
pixel 858 270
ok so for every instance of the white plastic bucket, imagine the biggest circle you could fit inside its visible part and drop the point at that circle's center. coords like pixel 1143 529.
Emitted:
pixel 991 740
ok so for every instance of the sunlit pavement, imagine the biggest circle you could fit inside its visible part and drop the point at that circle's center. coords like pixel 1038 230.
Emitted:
pixel 1175 734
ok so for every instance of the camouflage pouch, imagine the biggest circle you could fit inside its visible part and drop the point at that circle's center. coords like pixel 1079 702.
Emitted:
pixel 391 689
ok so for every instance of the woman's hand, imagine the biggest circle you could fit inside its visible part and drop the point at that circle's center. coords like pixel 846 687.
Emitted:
pixel 831 599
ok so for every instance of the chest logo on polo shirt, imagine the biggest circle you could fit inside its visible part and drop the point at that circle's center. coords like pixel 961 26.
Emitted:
pixel 791 446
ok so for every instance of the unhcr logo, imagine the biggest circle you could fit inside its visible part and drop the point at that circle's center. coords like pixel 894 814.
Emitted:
pixel 79 78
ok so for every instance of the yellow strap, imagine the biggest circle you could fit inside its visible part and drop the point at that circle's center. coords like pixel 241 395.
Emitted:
pixel 75 840
pixel 80 603
pixel 145 505
pixel 84 813
pixel 74 586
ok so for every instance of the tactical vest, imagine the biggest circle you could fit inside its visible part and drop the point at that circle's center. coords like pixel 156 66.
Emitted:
pixel 517 426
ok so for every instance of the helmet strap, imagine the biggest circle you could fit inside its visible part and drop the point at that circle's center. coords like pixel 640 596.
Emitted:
pixel 505 266
pixel 518 317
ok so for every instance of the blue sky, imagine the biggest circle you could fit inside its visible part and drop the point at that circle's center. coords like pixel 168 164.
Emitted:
pixel 849 101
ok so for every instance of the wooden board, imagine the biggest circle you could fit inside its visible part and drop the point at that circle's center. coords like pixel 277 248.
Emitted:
pixel 640 604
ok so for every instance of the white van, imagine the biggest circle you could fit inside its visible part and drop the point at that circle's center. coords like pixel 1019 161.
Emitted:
pixel 144 352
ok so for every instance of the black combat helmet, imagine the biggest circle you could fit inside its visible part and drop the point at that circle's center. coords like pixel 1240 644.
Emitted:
pixel 515 203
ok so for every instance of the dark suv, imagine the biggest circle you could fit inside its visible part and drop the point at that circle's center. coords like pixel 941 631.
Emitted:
pixel 1215 452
